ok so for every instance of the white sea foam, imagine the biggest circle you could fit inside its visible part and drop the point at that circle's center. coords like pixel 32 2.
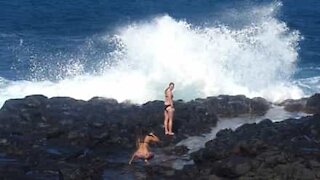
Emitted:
pixel 310 84
pixel 255 60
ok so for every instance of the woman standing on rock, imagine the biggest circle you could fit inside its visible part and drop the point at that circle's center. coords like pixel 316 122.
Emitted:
pixel 143 151
pixel 168 109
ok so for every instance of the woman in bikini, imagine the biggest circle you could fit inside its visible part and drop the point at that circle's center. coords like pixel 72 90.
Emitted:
pixel 143 150
pixel 168 109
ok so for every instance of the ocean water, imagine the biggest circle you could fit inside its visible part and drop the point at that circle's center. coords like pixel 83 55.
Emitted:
pixel 131 50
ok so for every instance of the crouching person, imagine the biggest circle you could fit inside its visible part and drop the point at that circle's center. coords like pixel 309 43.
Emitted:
pixel 143 149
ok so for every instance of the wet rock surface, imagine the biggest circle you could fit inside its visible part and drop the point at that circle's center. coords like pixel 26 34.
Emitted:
pixel 284 150
pixel 64 138
pixel 309 105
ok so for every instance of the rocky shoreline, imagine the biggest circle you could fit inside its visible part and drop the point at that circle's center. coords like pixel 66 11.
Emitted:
pixel 284 150
pixel 308 105
pixel 64 138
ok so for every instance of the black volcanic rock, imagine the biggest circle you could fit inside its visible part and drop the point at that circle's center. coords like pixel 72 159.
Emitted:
pixel 292 105
pixel 230 106
pixel 69 138
pixel 309 105
pixel 313 104
pixel 284 150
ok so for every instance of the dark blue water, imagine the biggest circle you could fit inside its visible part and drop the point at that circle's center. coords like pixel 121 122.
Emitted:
pixel 38 37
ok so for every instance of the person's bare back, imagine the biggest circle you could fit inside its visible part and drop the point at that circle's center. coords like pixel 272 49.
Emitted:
pixel 143 149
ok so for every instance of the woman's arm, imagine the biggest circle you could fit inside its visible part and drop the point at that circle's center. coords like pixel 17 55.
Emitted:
pixel 132 157
pixel 153 137
pixel 169 96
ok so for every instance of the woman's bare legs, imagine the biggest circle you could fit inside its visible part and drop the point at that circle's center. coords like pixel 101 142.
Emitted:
pixel 165 123
pixel 170 119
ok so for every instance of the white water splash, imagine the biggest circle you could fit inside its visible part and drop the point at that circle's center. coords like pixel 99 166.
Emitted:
pixel 256 60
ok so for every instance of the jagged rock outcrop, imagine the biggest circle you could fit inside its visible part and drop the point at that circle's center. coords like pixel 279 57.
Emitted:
pixel 284 150
pixel 64 137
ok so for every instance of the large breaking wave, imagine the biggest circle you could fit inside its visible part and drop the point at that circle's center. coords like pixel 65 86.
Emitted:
pixel 257 59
